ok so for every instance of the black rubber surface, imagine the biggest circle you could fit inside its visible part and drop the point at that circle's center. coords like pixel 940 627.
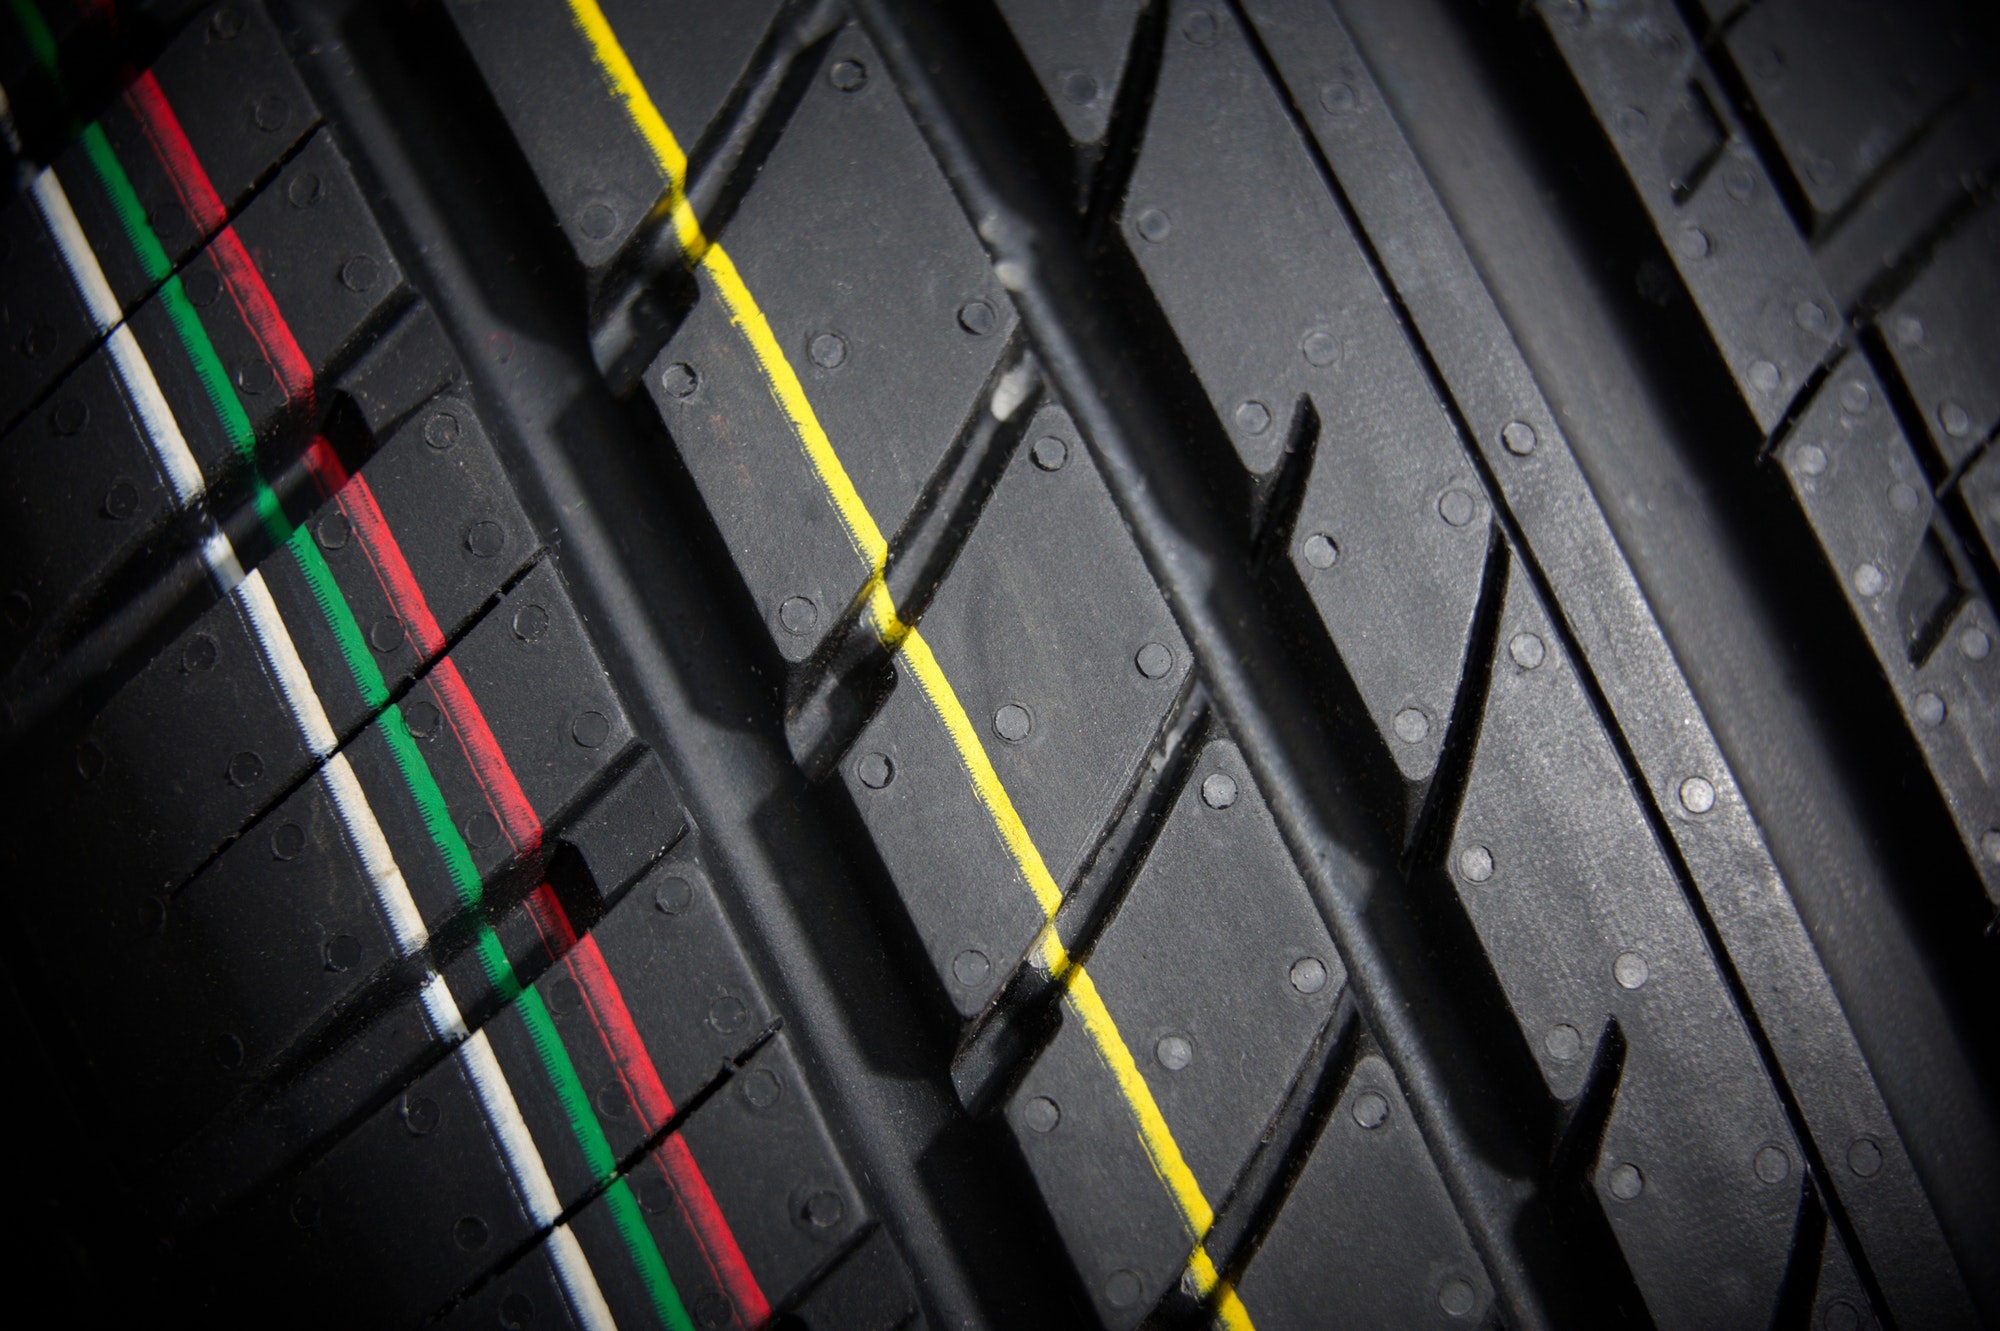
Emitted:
pixel 864 664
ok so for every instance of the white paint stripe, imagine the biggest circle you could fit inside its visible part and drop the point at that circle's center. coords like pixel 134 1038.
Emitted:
pixel 281 655
pixel 496 1098
pixel 77 256
pixel 447 1024
pixel 524 1162
pixel 524 1159
pixel 220 556
pixel 163 432
pixel 8 129
pixel 525 1166
pixel 135 372
pixel 579 1282
pixel 385 876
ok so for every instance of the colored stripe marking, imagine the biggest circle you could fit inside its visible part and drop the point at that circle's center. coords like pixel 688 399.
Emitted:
pixel 510 805
pixel 707 257
pixel 253 300
pixel 620 1037
pixel 240 278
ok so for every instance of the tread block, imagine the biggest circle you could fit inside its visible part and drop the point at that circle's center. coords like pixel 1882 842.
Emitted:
pixel 284 936
pixel 82 471
pixel 650 1006
pixel 1368 1237
pixel 185 142
pixel 1079 52
pixel 1866 496
pixel 43 319
pixel 93 44
pixel 276 947
pixel 1844 86
pixel 553 715
pixel 332 278
pixel 84 498
pixel 527 1294
pixel 1731 239
pixel 626 831
pixel 599 176
pixel 881 298
pixel 222 108
pixel 1584 924
pixel 381 1041
pixel 239 944
pixel 263 1135
pixel 407 366
pixel 774 1181
pixel 1219 974
pixel 1392 535
pixel 1980 488
pixel 208 991
pixel 1066 660
pixel 419 1196
pixel 1943 336
pixel 203 738
pixel 869 1291
pixel 430 526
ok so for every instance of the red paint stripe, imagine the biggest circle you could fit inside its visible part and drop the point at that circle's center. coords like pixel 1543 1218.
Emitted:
pixel 392 571
pixel 616 1029
pixel 482 751
pixel 621 1035
pixel 169 141
pixel 260 314
pixel 245 284
pixel 640 1077
pixel 705 1219
pixel 551 920
pixel 489 764
pixel 328 472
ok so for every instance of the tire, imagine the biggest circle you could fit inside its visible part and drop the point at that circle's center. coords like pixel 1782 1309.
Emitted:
pixel 866 665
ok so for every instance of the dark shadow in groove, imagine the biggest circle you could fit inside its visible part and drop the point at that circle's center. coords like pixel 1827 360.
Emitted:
pixel 1701 110
pixel 1103 190
pixel 1798 1294
pixel 1431 829
pixel 1886 286
pixel 1274 514
pixel 833 693
pixel 1957 507
pixel 645 291
pixel 1573 1196
pixel 1253 1206
pixel 997 1049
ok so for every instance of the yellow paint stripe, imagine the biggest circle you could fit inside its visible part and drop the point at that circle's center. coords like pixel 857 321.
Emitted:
pixel 1154 1135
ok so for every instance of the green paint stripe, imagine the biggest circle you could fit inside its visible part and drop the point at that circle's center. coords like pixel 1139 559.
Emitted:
pixel 40 40
pixel 549 1049
pixel 333 605
pixel 646 1256
pixel 209 369
pixel 569 1086
pixel 194 339
pixel 117 185
pixel 499 970
pixel 423 788
pixel 416 772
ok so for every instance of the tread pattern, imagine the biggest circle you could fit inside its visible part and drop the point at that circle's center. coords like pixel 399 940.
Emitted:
pixel 1831 107
pixel 401 910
